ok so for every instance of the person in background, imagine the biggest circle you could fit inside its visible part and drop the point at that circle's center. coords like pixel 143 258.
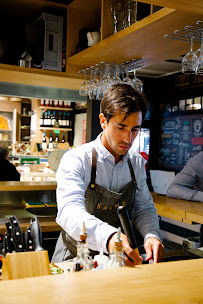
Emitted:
pixel 8 171
pixel 188 183
pixel 97 177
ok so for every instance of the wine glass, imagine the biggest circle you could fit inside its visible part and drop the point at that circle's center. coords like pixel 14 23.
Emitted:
pixel 199 70
pixel 116 79
pixel 189 62
pixel 127 79
pixel 94 83
pixel 116 10
pixel 106 80
pixel 137 83
pixel 82 90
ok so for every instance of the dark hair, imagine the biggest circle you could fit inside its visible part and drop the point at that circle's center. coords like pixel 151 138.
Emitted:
pixel 122 98
pixel 4 151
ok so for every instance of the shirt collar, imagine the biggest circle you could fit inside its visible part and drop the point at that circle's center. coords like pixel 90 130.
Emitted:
pixel 103 153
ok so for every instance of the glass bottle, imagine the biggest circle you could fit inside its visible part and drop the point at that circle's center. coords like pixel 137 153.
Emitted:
pixel 41 121
pixel 63 138
pixel 83 260
pixel 51 141
pixel 116 257
pixel 44 142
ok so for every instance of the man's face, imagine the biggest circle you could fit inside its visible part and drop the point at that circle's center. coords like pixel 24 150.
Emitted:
pixel 119 134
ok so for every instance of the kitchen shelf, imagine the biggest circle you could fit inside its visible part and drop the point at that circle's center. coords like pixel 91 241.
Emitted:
pixel 59 129
pixel 55 108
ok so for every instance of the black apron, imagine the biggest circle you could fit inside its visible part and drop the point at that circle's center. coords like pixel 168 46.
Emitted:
pixel 101 203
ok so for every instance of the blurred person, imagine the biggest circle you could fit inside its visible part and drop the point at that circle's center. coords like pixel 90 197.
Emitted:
pixel 8 171
pixel 188 183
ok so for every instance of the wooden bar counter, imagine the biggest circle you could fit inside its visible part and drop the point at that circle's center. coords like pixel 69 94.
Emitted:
pixel 181 210
pixel 171 282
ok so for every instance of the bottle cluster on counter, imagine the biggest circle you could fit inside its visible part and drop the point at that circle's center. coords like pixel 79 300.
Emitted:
pixel 83 261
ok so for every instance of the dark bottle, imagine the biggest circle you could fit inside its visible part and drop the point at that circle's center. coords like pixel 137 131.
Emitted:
pixel 57 138
pixel 53 119
pixel 69 121
pixel 51 141
pixel 63 138
pixel 64 120
pixel 48 119
pixel 44 142
pixel 41 121
pixel 45 119
pixel 60 120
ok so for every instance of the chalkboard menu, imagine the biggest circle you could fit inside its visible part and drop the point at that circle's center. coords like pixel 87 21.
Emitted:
pixel 181 139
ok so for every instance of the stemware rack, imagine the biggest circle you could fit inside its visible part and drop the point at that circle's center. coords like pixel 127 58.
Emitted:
pixel 190 31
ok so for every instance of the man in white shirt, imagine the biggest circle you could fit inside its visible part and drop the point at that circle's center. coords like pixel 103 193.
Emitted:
pixel 97 177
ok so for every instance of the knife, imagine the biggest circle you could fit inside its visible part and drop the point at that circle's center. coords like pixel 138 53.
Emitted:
pixel 5 244
pixel 28 240
pixel 17 235
pixel 9 238
pixel 127 228
pixel 36 233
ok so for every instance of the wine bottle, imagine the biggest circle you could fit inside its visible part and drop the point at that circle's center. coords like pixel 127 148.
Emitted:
pixel 48 119
pixel 51 141
pixel 44 142
pixel 60 120
pixel 64 120
pixel 69 121
pixel 41 121
pixel 53 119
pixel 63 138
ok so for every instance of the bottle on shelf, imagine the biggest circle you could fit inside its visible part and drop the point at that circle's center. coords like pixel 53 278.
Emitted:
pixel 69 121
pixel 41 121
pixel 51 141
pixel 42 102
pixel 60 103
pixel 83 260
pixel 47 102
pixel 63 138
pixel 56 103
pixel 60 120
pixel 45 119
pixel 116 257
pixel 53 119
pixel 56 140
pixel 64 120
pixel 44 142
pixel 48 119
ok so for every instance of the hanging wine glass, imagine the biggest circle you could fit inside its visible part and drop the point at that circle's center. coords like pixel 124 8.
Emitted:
pixel 99 88
pixel 189 62
pixel 106 80
pixel 116 79
pixel 82 90
pixel 94 83
pixel 137 83
pixel 199 70
pixel 127 79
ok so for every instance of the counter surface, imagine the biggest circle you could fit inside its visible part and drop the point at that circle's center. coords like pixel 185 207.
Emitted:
pixel 180 210
pixel 171 282
pixel 27 186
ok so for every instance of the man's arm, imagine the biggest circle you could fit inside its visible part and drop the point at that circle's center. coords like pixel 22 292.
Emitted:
pixel 182 186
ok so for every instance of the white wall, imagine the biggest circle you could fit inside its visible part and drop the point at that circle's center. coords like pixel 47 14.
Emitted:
pixel 79 133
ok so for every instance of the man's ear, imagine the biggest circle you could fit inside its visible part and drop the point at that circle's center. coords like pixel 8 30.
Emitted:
pixel 103 121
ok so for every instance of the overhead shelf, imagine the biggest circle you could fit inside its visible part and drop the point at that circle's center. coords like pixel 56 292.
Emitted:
pixel 144 39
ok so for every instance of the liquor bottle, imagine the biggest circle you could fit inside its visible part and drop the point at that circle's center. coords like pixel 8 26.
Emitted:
pixel 63 138
pixel 116 257
pixel 47 102
pixel 42 102
pixel 44 142
pixel 64 120
pixel 53 119
pixel 60 103
pixel 83 260
pixel 41 121
pixel 51 142
pixel 60 120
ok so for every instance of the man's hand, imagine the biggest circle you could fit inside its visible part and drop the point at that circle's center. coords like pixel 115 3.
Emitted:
pixel 154 249
pixel 129 252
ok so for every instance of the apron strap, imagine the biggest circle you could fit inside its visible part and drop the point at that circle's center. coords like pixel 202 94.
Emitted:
pixel 94 168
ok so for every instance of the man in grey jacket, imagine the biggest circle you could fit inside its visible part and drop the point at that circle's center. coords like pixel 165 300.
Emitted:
pixel 188 183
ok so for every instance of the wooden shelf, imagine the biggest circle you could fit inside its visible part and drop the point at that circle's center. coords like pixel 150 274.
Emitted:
pixel 25 115
pixel 144 39
pixel 55 108
pixel 52 129
pixel 25 127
